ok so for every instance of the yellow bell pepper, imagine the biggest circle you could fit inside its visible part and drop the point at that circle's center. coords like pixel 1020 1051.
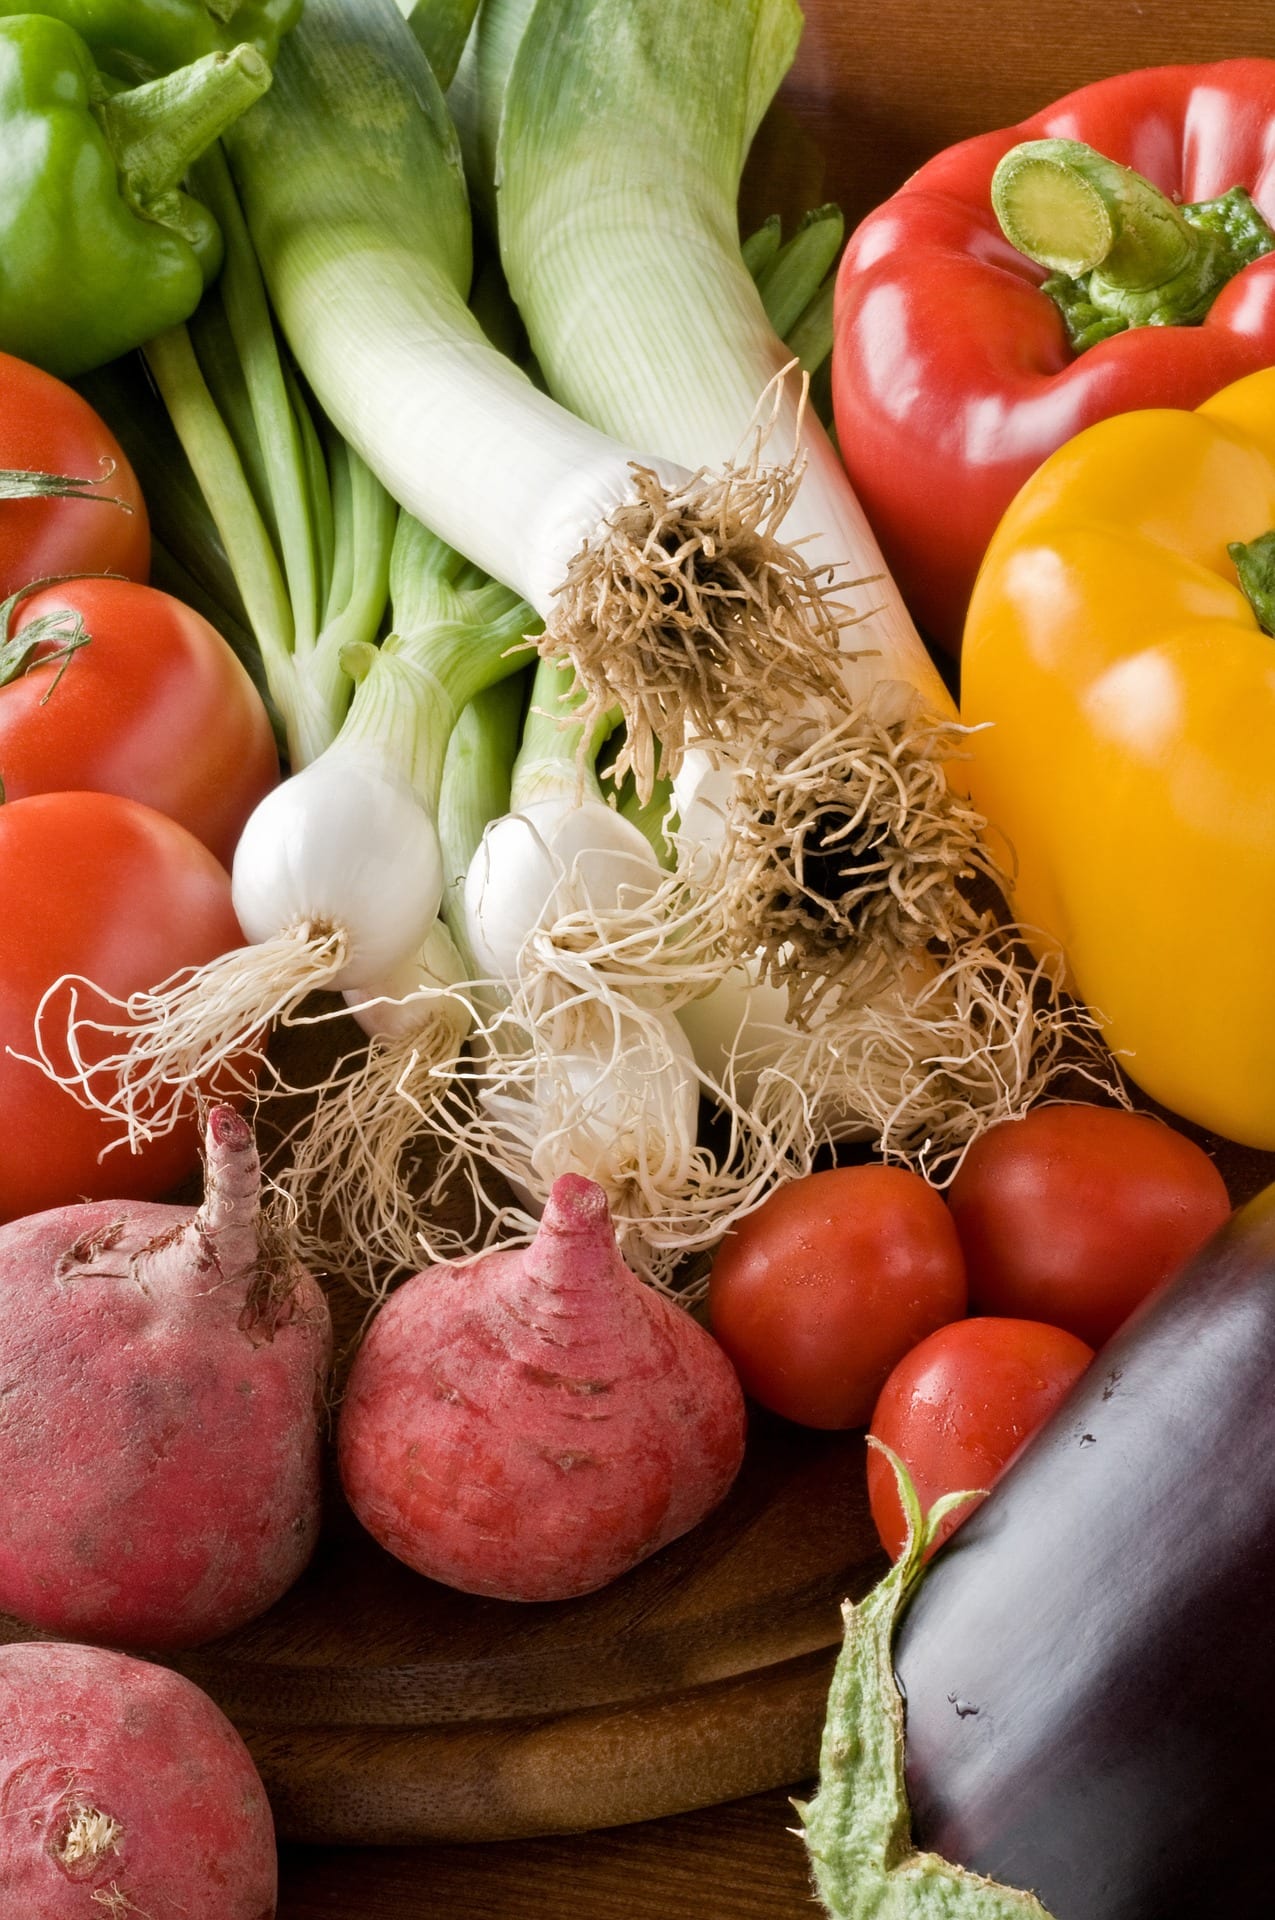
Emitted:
pixel 1127 689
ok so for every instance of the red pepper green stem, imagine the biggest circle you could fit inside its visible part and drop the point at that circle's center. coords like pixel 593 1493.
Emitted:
pixel 158 130
pixel 1121 252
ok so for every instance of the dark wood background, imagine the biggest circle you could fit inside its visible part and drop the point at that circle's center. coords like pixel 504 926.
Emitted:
pixel 879 87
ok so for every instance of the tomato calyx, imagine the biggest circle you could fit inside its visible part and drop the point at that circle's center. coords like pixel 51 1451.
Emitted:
pixel 20 652
pixel 22 483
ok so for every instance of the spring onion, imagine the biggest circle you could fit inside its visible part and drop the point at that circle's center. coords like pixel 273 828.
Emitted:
pixel 570 1070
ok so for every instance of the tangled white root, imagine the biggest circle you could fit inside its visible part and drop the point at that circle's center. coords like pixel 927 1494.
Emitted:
pixel 689 613
pixel 141 1060
pixel 580 1079
pixel 352 1168
pixel 844 851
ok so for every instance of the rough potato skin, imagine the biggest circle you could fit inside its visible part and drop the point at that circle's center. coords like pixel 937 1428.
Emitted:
pixel 532 1425
pixel 159 1418
pixel 124 1791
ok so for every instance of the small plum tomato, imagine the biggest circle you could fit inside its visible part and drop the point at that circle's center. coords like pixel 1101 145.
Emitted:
pixel 817 1294
pixel 1073 1214
pixel 45 427
pixel 959 1406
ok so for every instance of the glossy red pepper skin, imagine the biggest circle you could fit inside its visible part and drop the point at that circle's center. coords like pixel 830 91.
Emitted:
pixel 952 377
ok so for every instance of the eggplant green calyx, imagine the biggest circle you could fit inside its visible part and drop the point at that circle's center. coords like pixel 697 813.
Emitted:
pixel 1255 568
pixel 101 248
pixel 1121 253
pixel 857 1828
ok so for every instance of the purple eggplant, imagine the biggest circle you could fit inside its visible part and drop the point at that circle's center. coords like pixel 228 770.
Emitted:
pixel 1089 1666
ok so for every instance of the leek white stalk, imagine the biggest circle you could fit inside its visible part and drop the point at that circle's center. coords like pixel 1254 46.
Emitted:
pixel 666 588
pixel 921 1069
pixel 617 130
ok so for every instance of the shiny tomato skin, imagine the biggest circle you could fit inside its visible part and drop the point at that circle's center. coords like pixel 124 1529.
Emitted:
pixel 45 427
pixel 818 1293
pixel 1073 1214
pixel 98 886
pixel 155 708
pixel 958 1407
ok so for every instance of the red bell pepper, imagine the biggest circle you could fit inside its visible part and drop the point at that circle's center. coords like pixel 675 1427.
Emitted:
pixel 953 373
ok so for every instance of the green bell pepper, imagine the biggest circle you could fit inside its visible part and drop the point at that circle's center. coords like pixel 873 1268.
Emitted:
pixel 99 248
pixel 136 39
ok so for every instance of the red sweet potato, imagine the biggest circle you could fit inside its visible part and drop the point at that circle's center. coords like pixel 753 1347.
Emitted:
pixel 160 1377
pixel 533 1424
pixel 124 1792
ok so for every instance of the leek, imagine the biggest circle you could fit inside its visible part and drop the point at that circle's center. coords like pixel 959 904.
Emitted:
pixel 618 131
pixel 839 856
pixel 666 588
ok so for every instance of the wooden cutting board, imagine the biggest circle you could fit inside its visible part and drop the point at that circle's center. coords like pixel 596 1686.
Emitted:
pixel 383 1708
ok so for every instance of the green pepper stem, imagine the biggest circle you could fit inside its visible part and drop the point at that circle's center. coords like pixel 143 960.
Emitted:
pixel 158 130
pixel 1073 210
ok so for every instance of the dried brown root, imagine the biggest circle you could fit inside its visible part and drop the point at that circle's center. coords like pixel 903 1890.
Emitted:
pixel 141 1060
pixel 689 613
pixel 953 1047
pixel 845 851
pixel 350 1168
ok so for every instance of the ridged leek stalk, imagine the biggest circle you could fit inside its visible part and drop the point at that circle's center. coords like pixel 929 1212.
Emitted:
pixel 617 131
pixel 837 851
pixel 665 587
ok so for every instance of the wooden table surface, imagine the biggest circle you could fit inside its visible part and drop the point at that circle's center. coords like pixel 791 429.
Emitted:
pixel 876 90
pixel 737 1862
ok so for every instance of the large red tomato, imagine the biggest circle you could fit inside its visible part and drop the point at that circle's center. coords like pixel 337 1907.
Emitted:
pixel 45 427
pixel 97 886
pixel 959 1406
pixel 154 706
pixel 817 1294
pixel 1074 1213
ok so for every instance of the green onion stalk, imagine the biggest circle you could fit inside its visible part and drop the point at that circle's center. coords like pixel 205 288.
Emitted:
pixel 354 1164
pixel 836 853
pixel 666 587
pixel 337 878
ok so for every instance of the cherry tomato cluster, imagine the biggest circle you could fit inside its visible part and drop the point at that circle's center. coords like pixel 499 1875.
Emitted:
pixel 843 1299
pixel 133 746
